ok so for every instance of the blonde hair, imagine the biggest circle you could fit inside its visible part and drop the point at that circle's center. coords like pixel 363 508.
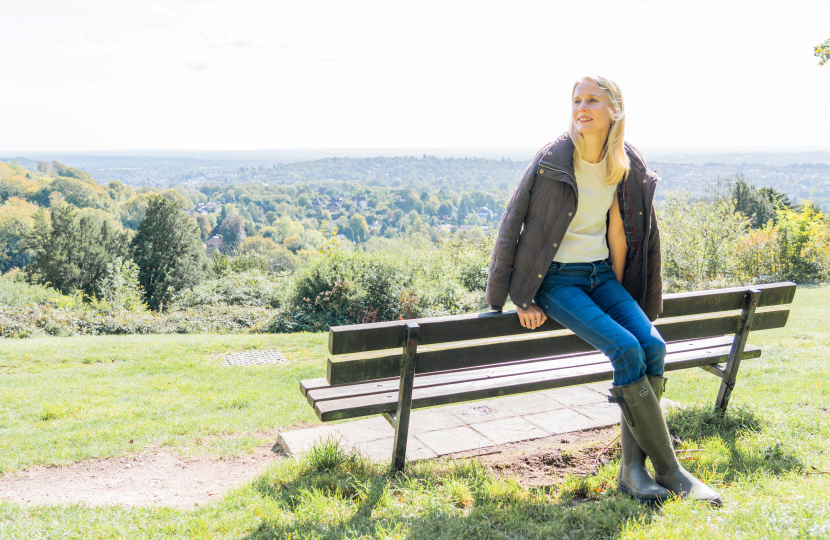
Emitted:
pixel 613 155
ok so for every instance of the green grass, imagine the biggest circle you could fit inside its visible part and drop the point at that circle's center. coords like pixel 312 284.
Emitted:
pixel 69 399
pixel 766 456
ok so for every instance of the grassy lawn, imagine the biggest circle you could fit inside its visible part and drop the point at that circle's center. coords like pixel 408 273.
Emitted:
pixel 69 399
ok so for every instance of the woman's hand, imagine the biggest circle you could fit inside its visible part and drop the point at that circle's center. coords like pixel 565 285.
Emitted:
pixel 532 317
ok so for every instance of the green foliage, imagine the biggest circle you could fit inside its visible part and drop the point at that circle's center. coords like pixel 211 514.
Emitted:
pixel 822 52
pixel 698 241
pixel 250 288
pixel 753 203
pixel 120 288
pixel 69 172
pixel 15 293
pixel 16 220
pixel 95 320
pixel 168 251
pixel 233 233
pixel 349 287
pixel 71 253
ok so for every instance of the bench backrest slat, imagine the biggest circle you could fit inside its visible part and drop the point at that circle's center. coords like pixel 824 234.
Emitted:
pixel 388 335
pixel 367 366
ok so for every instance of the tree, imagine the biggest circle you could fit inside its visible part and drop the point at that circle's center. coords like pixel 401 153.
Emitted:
pixel 344 227
pixel 359 227
pixel 168 251
pixel 16 219
pixel 204 226
pixel 822 52
pixel 71 253
pixel 233 233
pixel 753 204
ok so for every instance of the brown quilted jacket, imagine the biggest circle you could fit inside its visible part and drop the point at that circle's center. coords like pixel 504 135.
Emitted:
pixel 539 213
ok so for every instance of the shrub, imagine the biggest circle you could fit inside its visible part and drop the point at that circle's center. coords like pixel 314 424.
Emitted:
pixel 699 240
pixel 120 288
pixel 251 288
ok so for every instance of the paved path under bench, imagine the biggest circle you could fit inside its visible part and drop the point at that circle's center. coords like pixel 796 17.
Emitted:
pixel 469 426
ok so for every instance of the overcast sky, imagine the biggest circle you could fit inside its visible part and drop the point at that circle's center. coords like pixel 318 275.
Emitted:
pixel 235 75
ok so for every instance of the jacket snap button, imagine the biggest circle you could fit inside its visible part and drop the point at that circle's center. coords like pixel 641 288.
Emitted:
pixel 541 171
pixel 549 153
pixel 555 245
pixel 570 213
pixel 524 306
pixel 641 213
pixel 539 276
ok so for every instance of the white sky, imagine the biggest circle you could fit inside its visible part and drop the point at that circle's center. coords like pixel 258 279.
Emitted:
pixel 165 74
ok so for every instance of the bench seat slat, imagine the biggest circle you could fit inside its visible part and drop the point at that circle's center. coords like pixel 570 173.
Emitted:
pixel 370 366
pixel 352 407
pixel 388 335
pixel 317 390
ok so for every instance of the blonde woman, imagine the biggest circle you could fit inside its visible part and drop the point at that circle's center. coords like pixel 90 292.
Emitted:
pixel 579 243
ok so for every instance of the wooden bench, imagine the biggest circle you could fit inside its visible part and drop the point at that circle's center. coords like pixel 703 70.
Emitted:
pixel 485 355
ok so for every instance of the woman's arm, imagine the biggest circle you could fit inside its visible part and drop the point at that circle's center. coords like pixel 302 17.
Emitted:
pixel 617 245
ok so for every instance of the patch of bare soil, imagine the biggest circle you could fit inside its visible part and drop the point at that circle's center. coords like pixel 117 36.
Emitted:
pixel 547 461
pixel 158 479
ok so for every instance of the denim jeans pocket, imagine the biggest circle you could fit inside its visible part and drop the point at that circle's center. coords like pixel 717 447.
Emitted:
pixel 554 267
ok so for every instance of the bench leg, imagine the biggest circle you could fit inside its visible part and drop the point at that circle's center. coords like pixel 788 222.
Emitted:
pixel 730 371
pixel 405 397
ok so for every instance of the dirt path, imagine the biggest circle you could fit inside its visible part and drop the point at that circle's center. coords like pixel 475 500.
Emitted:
pixel 547 461
pixel 159 479
pixel 163 479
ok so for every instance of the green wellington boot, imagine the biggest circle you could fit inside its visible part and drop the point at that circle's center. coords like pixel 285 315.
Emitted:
pixel 641 411
pixel 634 478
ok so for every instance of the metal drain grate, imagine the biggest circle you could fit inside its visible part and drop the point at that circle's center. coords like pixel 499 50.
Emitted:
pixel 255 358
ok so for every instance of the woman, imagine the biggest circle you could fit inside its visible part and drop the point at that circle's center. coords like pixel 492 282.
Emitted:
pixel 579 243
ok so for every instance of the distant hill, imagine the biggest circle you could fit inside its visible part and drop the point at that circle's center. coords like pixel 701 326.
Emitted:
pixel 798 174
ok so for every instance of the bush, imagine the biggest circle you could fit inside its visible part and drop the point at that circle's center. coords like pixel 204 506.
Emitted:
pixel 34 320
pixel 352 287
pixel 795 247
pixel 251 288
pixel 120 289
pixel 699 240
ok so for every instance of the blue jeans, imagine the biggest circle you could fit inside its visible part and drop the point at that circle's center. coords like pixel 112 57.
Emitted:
pixel 587 299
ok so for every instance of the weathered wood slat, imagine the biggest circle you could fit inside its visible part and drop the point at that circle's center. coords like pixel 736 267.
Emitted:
pixel 319 390
pixel 339 409
pixel 389 335
pixel 370 366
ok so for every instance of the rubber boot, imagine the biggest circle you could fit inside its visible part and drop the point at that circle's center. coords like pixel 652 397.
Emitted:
pixel 641 411
pixel 634 478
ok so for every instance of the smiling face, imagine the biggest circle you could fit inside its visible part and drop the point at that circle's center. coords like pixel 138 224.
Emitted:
pixel 591 109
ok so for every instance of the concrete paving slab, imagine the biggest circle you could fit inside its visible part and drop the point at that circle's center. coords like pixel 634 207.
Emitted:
pixel 482 411
pixel 601 387
pixel 370 429
pixel 300 441
pixel 449 441
pixel 562 421
pixel 606 413
pixel 431 420
pixel 529 403
pixel 381 449
pixel 508 430
pixel 468 426
pixel 575 395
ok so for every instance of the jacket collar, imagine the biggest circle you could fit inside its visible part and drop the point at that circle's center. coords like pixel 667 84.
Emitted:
pixel 561 153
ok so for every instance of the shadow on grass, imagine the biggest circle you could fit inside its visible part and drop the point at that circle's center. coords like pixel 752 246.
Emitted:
pixel 739 430
pixel 334 494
